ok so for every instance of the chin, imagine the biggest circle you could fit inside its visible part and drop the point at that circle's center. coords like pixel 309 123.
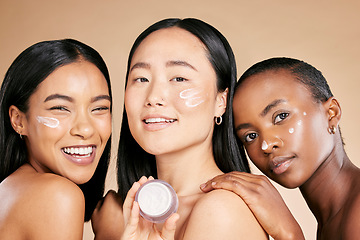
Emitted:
pixel 80 178
pixel 289 183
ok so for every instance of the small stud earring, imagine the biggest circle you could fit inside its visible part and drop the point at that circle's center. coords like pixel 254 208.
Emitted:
pixel 21 137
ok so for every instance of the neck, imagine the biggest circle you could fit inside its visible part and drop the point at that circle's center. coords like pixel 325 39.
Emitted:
pixel 187 169
pixel 327 189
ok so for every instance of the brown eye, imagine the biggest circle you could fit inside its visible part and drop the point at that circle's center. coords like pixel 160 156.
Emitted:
pixel 250 137
pixel 141 80
pixel 178 79
pixel 280 117
pixel 59 108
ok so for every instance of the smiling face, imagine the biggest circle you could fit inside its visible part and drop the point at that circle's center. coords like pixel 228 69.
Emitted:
pixel 171 97
pixel 283 129
pixel 68 122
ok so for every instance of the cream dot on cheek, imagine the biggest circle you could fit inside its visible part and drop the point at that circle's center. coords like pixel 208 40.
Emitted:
pixel 291 130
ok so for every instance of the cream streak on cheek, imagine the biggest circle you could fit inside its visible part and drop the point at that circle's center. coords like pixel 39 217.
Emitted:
pixel 192 97
pixel 48 121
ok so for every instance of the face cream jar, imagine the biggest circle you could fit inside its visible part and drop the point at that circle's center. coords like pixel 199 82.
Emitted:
pixel 157 200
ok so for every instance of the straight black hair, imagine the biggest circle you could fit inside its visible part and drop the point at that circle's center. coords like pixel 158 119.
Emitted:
pixel 133 162
pixel 23 77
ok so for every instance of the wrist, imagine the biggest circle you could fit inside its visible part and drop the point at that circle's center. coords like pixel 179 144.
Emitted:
pixel 294 233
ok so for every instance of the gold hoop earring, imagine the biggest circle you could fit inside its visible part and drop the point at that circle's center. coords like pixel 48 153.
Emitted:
pixel 218 120
pixel 332 130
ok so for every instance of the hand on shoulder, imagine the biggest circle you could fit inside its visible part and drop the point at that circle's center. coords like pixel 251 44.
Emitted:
pixel 264 201
pixel 221 214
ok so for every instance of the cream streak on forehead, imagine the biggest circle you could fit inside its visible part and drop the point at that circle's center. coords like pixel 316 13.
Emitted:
pixel 48 121
pixel 192 97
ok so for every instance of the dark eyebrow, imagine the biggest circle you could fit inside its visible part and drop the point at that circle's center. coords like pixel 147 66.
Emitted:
pixel 101 97
pixel 270 106
pixel 180 63
pixel 262 114
pixel 140 65
pixel 244 125
pixel 58 96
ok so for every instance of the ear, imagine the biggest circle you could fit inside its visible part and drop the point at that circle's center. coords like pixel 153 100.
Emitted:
pixel 333 110
pixel 221 101
pixel 17 120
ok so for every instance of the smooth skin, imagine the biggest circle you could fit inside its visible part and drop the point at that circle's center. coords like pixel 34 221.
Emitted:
pixel 156 83
pixel 41 197
pixel 300 152
pixel 178 130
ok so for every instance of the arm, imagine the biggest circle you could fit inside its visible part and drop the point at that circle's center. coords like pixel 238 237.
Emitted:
pixel 107 220
pixel 221 214
pixel 263 200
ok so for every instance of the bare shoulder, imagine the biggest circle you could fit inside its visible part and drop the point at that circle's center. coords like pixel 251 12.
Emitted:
pixel 44 206
pixel 228 212
pixel 57 187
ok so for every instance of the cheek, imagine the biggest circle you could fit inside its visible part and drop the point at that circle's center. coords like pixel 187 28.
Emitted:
pixel 48 121
pixel 46 130
pixel 51 125
pixel 195 101
pixel 131 103
pixel 103 126
pixel 192 97
pixel 256 155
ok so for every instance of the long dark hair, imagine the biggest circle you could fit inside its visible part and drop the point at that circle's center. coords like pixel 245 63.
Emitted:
pixel 23 77
pixel 133 162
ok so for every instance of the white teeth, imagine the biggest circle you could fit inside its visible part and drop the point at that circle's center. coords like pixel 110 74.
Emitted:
pixel 159 120
pixel 79 151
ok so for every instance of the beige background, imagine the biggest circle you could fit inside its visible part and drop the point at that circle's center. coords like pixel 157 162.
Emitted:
pixel 323 33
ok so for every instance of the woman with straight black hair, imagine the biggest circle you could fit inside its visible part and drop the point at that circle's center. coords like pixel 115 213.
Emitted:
pixel 133 161
pixel 177 127
pixel 55 128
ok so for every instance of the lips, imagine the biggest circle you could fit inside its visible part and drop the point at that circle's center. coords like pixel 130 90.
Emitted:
pixel 153 123
pixel 158 120
pixel 279 165
pixel 81 155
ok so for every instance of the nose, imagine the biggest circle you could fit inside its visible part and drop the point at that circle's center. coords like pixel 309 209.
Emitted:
pixel 271 143
pixel 156 95
pixel 82 126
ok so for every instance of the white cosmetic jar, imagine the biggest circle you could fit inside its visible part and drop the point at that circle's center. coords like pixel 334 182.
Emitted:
pixel 157 200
